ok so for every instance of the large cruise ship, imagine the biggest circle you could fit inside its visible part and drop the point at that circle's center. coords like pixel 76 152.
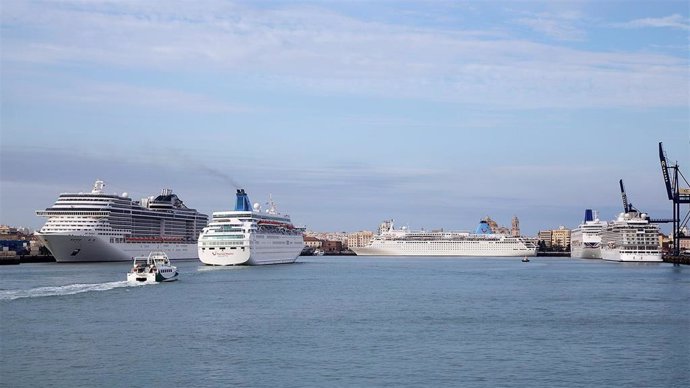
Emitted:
pixel 631 237
pixel 250 236
pixel 95 226
pixel 585 240
pixel 403 242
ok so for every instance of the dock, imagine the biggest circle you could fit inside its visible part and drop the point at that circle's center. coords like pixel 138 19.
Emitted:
pixel 552 254
pixel 684 259
pixel 11 259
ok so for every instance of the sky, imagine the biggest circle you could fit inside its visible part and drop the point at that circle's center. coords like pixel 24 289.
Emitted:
pixel 432 113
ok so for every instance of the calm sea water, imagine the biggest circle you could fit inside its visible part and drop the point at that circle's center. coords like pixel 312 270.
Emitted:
pixel 349 322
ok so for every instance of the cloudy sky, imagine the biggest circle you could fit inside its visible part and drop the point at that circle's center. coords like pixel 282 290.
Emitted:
pixel 434 113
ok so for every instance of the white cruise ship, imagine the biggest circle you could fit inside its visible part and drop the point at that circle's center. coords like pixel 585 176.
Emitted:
pixel 402 242
pixel 631 238
pixel 95 226
pixel 250 236
pixel 585 240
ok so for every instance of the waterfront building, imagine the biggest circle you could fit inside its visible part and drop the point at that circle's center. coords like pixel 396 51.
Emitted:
pixel 665 242
pixel 560 237
pixel 555 238
pixel 330 246
pixel 312 242
pixel 685 242
pixel 14 233
pixel 545 237
pixel 359 239
pixel 20 247
pixel 6 229
pixel 330 236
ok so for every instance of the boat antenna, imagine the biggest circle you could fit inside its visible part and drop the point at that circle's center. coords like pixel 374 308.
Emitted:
pixel 272 209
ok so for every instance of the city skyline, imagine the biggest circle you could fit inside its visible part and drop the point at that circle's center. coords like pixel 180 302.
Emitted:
pixel 435 114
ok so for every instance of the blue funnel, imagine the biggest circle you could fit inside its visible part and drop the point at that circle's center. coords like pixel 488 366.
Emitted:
pixel 242 204
pixel 483 228
pixel 588 215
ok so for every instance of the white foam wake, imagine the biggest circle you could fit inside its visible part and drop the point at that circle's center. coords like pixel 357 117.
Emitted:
pixel 70 289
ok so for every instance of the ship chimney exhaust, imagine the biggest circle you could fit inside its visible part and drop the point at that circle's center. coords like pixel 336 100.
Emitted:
pixel 242 203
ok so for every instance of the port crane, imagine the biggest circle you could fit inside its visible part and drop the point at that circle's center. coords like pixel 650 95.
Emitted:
pixel 673 179
pixel 627 207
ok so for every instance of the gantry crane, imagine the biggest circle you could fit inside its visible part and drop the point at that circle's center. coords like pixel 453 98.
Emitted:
pixel 674 179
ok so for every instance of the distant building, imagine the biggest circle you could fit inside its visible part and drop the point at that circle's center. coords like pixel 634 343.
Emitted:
pixel 329 246
pixel 664 242
pixel 684 244
pixel 20 247
pixel 495 227
pixel 15 233
pixel 385 226
pixel 545 237
pixel 6 229
pixel 329 236
pixel 555 238
pixel 312 242
pixel 560 237
pixel 359 239
pixel 515 230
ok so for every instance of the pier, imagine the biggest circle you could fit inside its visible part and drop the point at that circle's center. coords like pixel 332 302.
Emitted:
pixel 11 258
pixel 681 259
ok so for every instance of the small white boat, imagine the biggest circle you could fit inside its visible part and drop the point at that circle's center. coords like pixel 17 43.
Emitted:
pixel 152 269
pixel 525 259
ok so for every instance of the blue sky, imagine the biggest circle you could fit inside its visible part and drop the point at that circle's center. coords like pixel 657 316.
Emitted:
pixel 434 113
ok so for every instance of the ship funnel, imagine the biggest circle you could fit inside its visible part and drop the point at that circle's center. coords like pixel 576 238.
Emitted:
pixel 483 228
pixel 588 215
pixel 242 204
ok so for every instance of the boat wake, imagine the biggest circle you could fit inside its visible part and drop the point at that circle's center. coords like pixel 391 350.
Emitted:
pixel 70 289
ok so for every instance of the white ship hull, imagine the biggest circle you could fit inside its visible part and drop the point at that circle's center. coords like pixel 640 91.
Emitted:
pixel 75 248
pixel 585 240
pixel 445 248
pixel 585 253
pixel 638 257
pixel 262 249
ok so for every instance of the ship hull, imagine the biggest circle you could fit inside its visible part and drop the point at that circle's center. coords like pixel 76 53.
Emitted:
pixel 261 251
pixel 68 248
pixel 585 253
pixel 631 257
pixel 441 248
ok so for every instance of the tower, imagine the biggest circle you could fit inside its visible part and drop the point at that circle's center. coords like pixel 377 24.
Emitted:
pixel 515 230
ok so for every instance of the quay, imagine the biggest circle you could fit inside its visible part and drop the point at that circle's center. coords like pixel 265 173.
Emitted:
pixel 553 254
pixel 10 258
pixel 37 259
pixel 684 259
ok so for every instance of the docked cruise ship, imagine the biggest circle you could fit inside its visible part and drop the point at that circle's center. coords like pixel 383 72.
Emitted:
pixel 96 226
pixel 585 240
pixel 631 237
pixel 403 242
pixel 250 236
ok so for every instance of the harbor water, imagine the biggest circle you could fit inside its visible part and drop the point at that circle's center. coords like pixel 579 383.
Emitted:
pixel 349 321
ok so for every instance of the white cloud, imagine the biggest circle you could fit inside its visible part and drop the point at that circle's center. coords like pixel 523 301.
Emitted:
pixel 560 26
pixel 320 51
pixel 672 21
pixel 120 94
